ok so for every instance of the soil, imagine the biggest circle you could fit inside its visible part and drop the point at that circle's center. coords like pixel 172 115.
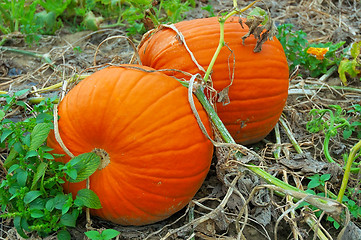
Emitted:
pixel 323 21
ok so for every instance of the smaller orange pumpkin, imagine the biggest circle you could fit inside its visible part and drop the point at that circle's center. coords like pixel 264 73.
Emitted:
pixel 158 155
pixel 259 90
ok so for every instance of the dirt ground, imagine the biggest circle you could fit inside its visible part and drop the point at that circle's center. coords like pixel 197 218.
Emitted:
pixel 322 20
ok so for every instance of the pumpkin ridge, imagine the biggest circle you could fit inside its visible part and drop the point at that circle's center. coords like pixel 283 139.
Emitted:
pixel 108 105
pixel 165 195
pixel 71 134
pixel 164 152
pixel 113 121
pixel 148 109
pixel 126 164
pixel 128 93
pixel 144 136
pixel 132 203
pixel 252 101
pixel 124 195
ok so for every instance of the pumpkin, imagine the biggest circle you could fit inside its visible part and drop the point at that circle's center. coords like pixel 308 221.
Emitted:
pixel 260 86
pixel 158 155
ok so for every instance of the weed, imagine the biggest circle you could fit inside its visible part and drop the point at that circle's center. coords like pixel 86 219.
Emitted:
pixel 352 66
pixel 316 58
pixel 23 15
pixel 32 193
pixel 104 235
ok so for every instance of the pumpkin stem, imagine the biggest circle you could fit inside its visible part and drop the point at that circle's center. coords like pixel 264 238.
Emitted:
pixel 104 157
pixel 222 43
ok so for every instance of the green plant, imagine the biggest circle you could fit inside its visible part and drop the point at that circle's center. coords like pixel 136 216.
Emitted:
pixel 167 11
pixel 18 16
pixel 317 180
pixel 316 58
pixel 104 235
pixel 355 126
pixel 352 66
pixel 32 194
pixel 336 120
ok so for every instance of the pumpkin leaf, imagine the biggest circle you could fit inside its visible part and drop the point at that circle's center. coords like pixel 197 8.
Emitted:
pixel 39 135
pixel 88 198
pixel 85 164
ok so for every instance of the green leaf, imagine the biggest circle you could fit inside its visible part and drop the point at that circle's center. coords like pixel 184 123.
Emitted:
pixel 89 198
pixel 259 12
pixel 356 49
pixel 18 226
pixel 60 200
pixel 40 171
pixel 86 165
pixel 22 177
pixel 13 168
pixel 21 92
pixel 325 177
pixel 39 135
pixel 19 148
pixel 11 159
pixel 31 196
pixel 48 156
pixel 37 213
pixel 50 204
pixel 347 133
pixel 313 184
pixel 347 66
pixel 67 205
pixel 63 235
pixel 93 235
pixel 21 104
pixel 72 173
pixel 5 134
pixel 31 153
pixel 109 234
pixel 2 114
pixel 68 220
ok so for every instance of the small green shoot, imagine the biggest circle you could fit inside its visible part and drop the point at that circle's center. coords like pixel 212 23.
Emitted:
pixel 336 120
pixel 106 234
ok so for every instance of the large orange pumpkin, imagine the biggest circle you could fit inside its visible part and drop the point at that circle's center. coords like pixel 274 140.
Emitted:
pixel 158 155
pixel 260 87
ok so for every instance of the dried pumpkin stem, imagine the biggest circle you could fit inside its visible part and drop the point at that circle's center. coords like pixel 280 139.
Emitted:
pixel 104 157
pixel 57 134
pixel 279 184
pixel 44 57
pixel 277 151
pixel 290 136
